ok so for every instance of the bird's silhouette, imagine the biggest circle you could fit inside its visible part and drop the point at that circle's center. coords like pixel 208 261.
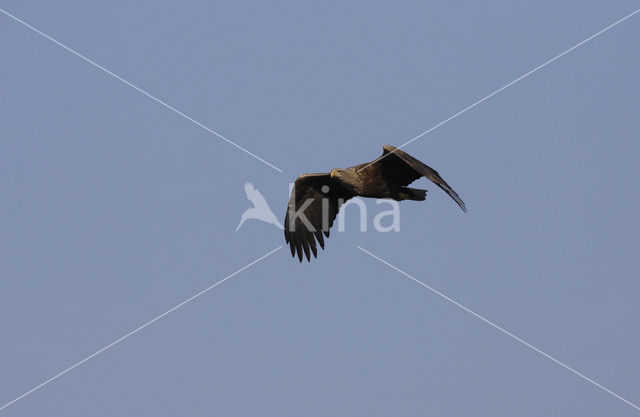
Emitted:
pixel 260 209
pixel 316 198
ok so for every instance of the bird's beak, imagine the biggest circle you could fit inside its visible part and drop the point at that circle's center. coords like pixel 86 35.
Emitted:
pixel 333 173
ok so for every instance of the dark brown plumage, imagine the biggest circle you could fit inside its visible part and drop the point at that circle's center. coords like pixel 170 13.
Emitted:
pixel 316 198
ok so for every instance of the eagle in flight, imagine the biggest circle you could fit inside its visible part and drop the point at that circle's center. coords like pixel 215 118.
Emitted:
pixel 316 198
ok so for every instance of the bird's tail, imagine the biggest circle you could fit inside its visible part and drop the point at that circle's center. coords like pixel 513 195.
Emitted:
pixel 241 221
pixel 416 194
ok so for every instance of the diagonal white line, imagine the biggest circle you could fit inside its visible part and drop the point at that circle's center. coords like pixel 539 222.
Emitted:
pixel 499 328
pixel 138 89
pixel 504 87
pixel 132 332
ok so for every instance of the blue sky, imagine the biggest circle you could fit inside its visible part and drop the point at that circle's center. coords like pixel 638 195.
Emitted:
pixel 114 209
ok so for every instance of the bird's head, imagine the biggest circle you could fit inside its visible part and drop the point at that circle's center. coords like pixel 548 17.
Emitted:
pixel 346 178
pixel 343 176
pixel 337 173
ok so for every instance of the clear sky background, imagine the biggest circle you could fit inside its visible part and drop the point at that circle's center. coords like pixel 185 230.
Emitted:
pixel 113 209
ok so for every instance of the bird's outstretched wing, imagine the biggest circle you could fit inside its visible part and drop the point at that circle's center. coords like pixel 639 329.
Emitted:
pixel 313 206
pixel 401 168
pixel 254 195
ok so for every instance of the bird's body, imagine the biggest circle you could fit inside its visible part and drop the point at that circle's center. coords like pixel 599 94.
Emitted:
pixel 374 185
pixel 316 198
